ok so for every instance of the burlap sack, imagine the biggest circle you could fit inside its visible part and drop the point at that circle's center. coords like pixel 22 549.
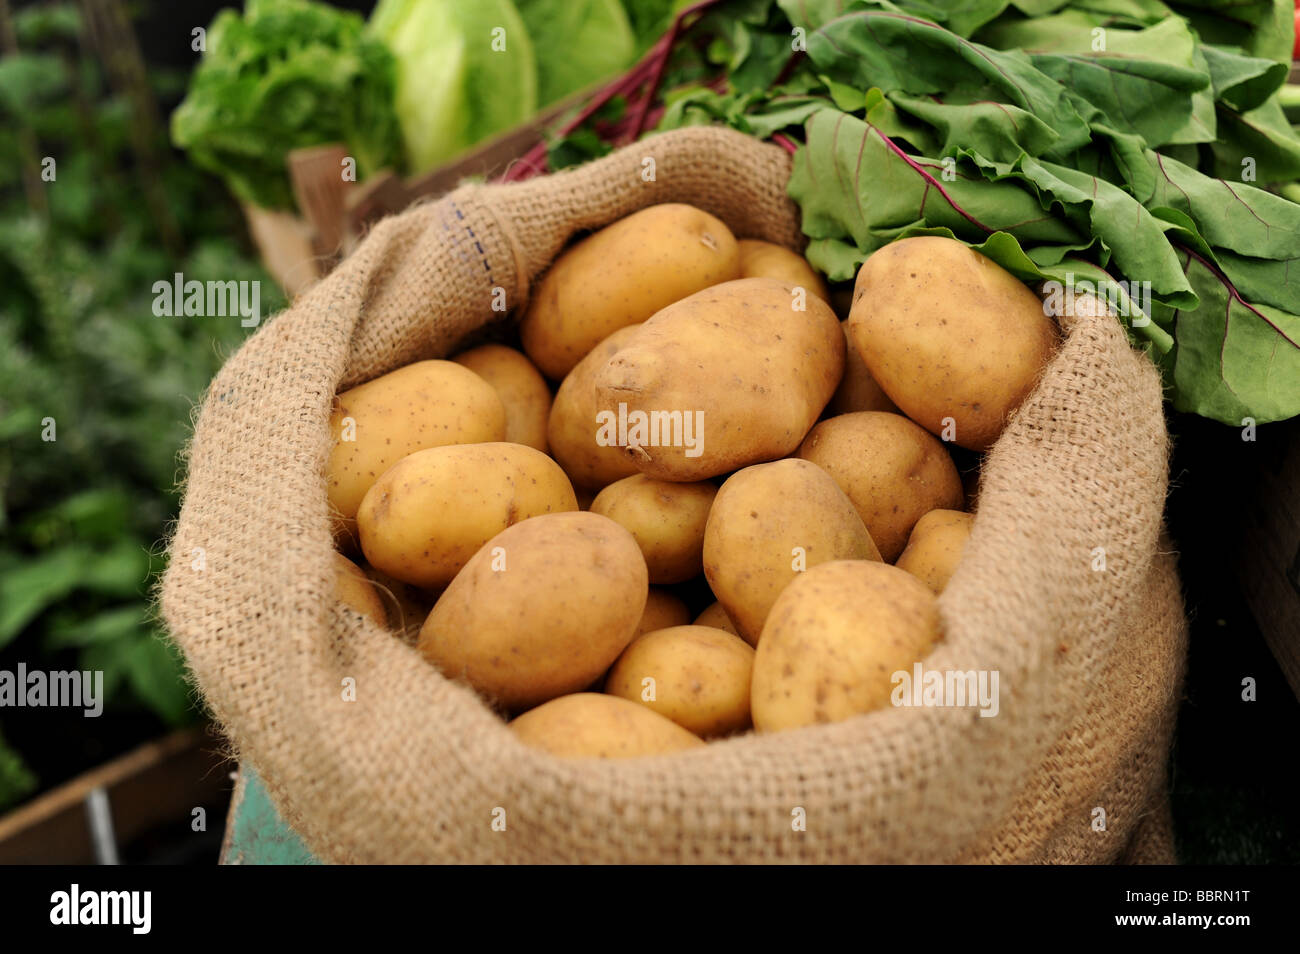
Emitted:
pixel 1090 661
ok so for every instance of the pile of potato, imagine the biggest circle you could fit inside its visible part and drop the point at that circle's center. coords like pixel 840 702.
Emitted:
pixel 769 561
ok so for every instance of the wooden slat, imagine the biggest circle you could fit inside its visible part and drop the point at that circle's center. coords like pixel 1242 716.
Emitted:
pixel 155 783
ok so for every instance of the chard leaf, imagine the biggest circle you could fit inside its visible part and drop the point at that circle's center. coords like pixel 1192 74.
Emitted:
pixel 853 182
pixel 914 56
pixel 996 130
pixel 1234 359
pixel 1261 140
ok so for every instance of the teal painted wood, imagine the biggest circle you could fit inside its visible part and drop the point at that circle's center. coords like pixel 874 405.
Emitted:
pixel 255 832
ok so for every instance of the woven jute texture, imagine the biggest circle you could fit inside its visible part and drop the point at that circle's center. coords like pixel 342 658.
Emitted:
pixel 1089 660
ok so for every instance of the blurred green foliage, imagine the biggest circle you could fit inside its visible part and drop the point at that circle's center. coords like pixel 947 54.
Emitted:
pixel 82 516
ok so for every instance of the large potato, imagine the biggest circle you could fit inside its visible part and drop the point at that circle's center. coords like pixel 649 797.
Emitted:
pixel 694 675
pixel 598 726
pixel 620 276
pixel 949 335
pixel 759 259
pixel 376 424
pixel 662 609
pixel 521 387
pixel 572 428
pixel 894 471
pixel 858 390
pixel 835 638
pixel 935 547
pixel 541 610
pixel 432 510
pixel 731 376
pixel 769 523
pixel 355 590
pixel 667 519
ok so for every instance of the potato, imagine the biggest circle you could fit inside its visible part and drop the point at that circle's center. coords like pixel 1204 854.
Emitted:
pixel 541 610
pixel 521 387
pixel 572 428
pixel 760 259
pixel 353 588
pixel 893 470
pixel 715 616
pixel 376 424
pixel 594 725
pixel 694 675
pixel 662 610
pixel 621 276
pixel 667 519
pixel 729 377
pixel 835 638
pixel 429 513
pixel 935 547
pixel 949 335
pixel 769 523
pixel 858 390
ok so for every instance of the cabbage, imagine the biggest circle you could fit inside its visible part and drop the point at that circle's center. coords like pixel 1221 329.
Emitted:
pixel 453 88
pixel 577 43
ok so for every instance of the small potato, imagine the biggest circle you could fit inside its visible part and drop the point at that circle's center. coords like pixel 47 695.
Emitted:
pixel 935 547
pixel 949 334
pixel 356 590
pixel 667 519
pixel 893 470
pixel 760 259
pixel 694 675
pixel 429 513
pixel 376 424
pixel 621 276
pixel 598 726
pixel 572 429
pixel 768 524
pixel 858 390
pixel 521 387
pixel 662 610
pixel 541 610
pixel 731 376
pixel 715 616
pixel 835 638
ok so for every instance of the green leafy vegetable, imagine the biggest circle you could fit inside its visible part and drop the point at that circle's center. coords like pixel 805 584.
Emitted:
pixel 576 43
pixel 465 71
pixel 287 74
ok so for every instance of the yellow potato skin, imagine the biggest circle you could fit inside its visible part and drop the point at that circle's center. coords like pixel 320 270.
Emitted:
pixel 935 547
pixel 662 610
pixel 355 589
pixel 598 726
pixel 833 641
pixel 431 511
pixel 541 610
pixel 667 519
pixel 758 370
pixel 759 259
pixel 621 276
pixel 701 678
pixel 521 387
pixel 893 470
pixel 425 404
pixel 715 616
pixel 768 522
pixel 858 390
pixel 948 333
pixel 571 430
